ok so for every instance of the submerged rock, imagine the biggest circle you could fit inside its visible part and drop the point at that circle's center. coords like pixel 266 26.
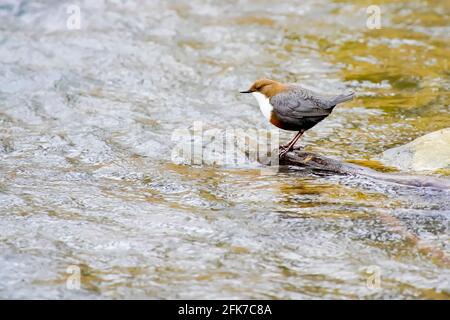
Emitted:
pixel 427 153
pixel 225 146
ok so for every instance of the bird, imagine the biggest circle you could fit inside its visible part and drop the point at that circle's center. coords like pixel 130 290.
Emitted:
pixel 293 108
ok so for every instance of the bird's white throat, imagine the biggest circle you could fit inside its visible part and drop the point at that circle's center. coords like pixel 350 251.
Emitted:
pixel 264 104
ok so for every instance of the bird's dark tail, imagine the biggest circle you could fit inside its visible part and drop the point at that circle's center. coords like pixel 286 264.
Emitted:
pixel 343 97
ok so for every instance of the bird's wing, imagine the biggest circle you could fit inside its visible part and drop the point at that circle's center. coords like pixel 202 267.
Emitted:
pixel 299 103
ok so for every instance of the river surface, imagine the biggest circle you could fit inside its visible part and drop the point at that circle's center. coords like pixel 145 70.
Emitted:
pixel 89 190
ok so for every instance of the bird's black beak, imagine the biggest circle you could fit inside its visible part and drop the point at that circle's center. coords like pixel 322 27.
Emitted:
pixel 247 91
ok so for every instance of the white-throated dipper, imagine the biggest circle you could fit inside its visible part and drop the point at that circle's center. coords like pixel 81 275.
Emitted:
pixel 291 107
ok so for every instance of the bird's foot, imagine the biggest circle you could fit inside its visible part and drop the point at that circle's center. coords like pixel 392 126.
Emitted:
pixel 283 151
pixel 286 149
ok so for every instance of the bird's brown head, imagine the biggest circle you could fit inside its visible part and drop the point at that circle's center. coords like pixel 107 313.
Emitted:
pixel 267 87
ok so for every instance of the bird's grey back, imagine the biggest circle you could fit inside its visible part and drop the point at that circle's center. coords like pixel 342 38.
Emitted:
pixel 298 102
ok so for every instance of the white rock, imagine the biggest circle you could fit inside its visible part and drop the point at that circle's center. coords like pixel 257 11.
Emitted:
pixel 427 153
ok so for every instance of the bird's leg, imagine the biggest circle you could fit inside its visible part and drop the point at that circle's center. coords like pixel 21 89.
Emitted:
pixel 294 141
pixel 291 144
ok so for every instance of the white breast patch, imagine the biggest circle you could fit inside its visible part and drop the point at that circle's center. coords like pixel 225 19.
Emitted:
pixel 264 104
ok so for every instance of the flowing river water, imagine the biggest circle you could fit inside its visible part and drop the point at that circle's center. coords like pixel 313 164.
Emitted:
pixel 88 183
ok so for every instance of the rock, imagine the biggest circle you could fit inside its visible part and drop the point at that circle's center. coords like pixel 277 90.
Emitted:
pixel 427 153
pixel 225 146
